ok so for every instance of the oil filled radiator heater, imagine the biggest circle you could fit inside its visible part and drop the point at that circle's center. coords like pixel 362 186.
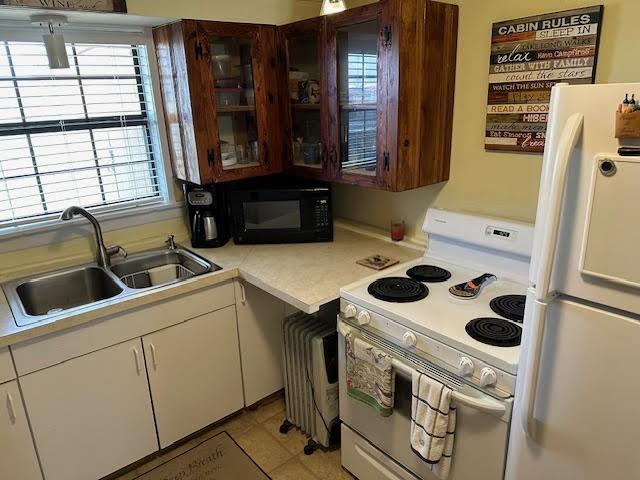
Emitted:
pixel 310 350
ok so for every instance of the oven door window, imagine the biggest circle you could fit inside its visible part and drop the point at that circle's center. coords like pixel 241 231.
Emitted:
pixel 272 215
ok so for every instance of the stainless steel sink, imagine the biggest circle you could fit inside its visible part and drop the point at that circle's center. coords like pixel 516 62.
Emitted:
pixel 62 291
pixel 66 292
pixel 160 267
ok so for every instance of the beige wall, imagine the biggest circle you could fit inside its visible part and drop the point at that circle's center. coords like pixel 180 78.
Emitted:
pixel 499 184
pixel 252 11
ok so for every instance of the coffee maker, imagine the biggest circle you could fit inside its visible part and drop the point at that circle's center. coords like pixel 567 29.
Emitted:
pixel 208 219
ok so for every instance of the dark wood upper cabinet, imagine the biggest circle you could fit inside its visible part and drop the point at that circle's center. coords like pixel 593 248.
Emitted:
pixel 362 97
pixel 220 92
pixel 303 90
pixel 357 72
pixel 387 82
pixel 391 68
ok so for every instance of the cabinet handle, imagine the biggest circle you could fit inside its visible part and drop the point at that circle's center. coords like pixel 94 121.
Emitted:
pixel 12 409
pixel 265 147
pixel 136 355
pixel 154 358
pixel 333 157
pixel 243 295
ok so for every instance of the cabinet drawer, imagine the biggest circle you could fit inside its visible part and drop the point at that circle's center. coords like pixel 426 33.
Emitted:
pixel 7 371
pixel 61 346
pixel 363 460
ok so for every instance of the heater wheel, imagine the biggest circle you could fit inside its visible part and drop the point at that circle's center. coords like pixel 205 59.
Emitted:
pixel 285 427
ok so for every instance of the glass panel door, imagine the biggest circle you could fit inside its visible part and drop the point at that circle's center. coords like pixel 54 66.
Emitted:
pixel 304 95
pixel 357 49
pixel 231 60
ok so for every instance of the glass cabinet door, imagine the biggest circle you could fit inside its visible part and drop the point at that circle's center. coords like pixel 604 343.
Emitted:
pixel 357 68
pixel 231 61
pixel 304 78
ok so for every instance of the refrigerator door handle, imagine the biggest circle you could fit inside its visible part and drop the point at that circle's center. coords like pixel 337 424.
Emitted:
pixel 551 221
pixel 537 322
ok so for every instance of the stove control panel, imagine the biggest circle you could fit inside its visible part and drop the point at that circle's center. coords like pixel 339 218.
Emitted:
pixel 482 374
pixel 466 367
pixel 488 377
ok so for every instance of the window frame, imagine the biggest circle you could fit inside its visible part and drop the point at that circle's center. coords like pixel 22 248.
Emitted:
pixel 169 204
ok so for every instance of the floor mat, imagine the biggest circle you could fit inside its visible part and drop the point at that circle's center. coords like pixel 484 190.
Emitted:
pixel 219 458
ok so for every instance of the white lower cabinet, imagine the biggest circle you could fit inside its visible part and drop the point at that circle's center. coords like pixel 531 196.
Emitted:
pixel 194 373
pixel 260 317
pixel 17 455
pixel 91 415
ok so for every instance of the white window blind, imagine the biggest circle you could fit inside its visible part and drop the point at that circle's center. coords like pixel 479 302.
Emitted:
pixel 360 118
pixel 77 136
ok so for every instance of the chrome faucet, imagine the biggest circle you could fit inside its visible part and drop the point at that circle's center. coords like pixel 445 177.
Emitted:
pixel 103 254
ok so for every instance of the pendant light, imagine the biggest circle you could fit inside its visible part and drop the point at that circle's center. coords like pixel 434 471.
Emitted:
pixel 332 6
pixel 53 41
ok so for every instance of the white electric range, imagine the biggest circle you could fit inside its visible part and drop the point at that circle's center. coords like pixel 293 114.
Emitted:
pixel 473 345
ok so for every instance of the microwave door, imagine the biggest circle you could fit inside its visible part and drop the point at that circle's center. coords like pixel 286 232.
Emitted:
pixel 272 215
pixel 282 217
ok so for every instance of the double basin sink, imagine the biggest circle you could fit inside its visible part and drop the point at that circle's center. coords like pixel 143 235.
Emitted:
pixel 65 292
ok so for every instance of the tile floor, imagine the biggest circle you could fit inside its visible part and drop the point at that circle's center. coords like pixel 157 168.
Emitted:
pixel 256 431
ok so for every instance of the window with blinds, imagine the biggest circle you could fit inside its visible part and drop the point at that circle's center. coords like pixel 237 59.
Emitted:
pixel 78 136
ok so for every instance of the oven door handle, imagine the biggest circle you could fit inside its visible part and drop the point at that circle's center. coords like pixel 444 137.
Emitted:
pixel 482 404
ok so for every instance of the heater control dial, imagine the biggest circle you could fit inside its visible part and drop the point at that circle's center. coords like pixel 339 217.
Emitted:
pixel 488 377
pixel 364 318
pixel 466 367
pixel 350 311
pixel 409 339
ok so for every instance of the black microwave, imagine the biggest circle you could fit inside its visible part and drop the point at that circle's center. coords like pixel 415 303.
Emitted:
pixel 281 210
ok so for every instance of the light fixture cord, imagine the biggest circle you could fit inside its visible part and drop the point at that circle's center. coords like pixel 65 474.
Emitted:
pixel 51 28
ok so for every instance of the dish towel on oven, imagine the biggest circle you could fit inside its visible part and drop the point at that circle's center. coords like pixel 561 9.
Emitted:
pixel 433 423
pixel 370 377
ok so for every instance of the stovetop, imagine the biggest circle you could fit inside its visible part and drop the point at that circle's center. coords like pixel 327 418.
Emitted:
pixel 443 317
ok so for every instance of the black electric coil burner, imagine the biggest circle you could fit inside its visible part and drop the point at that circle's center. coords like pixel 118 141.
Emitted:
pixel 429 274
pixel 495 331
pixel 398 290
pixel 510 307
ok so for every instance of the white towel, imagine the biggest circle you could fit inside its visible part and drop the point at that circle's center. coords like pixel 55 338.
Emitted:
pixel 433 423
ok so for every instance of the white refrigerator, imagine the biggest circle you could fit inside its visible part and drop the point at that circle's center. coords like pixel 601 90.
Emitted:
pixel 577 402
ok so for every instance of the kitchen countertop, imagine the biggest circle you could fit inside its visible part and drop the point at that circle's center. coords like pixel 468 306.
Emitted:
pixel 304 275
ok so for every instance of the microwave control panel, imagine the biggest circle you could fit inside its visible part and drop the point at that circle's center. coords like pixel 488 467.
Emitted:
pixel 322 212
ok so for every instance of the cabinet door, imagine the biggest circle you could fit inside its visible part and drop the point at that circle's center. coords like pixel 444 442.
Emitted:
pixel 241 86
pixel 303 91
pixel 91 415
pixel 260 317
pixel 194 373
pixel 355 41
pixel 19 459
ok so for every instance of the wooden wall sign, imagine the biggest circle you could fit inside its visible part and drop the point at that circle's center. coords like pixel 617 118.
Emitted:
pixel 528 57
pixel 119 6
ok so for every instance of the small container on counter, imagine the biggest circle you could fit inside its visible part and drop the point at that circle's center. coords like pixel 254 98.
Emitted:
pixel 397 231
